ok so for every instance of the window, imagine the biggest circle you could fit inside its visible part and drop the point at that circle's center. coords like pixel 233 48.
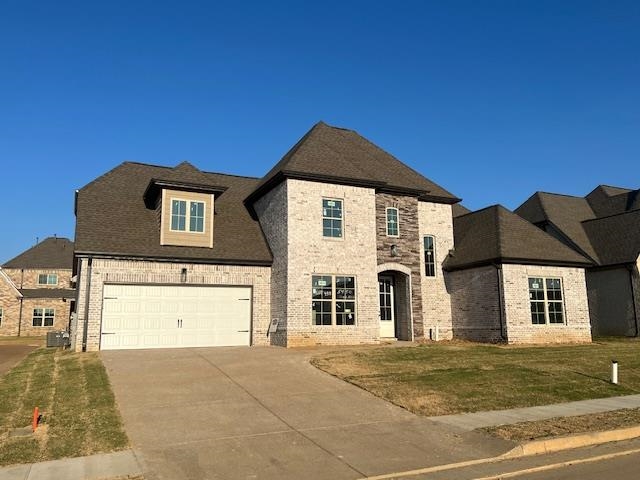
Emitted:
pixel 392 222
pixel 0 316
pixel 47 279
pixel 331 218
pixel 43 317
pixel 429 256
pixel 333 300
pixel 180 217
pixel 545 296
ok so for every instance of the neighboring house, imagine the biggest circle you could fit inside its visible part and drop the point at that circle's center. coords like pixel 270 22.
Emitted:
pixel 604 226
pixel 36 292
pixel 340 243
pixel 510 281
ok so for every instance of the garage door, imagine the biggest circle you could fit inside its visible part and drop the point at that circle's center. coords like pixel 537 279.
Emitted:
pixel 158 316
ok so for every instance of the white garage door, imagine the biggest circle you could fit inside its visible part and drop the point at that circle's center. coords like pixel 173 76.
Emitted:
pixel 159 316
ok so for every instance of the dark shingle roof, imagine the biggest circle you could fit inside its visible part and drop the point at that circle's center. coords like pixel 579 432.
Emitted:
pixel 566 213
pixel 52 252
pixel 458 210
pixel 48 293
pixel 604 225
pixel 112 217
pixel 496 235
pixel 616 238
pixel 337 155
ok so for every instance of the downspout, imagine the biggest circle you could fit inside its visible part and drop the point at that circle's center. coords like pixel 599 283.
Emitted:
pixel 21 298
pixel 500 313
pixel 633 299
pixel 86 305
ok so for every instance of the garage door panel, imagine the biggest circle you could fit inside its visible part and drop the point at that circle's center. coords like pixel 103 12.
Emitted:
pixel 148 316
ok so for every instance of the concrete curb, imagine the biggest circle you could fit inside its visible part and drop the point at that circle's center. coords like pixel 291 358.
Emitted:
pixel 552 445
pixel 536 447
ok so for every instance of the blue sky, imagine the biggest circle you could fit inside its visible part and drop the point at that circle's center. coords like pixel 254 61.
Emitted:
pixel 493 100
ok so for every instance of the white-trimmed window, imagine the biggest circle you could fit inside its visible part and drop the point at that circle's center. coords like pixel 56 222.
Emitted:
pixel 333 300
pixel 47 279
pixel 546 298
pixel 429 256
pixel 43 317
pixel 331 218
pixel 183 219
pixel 393 229
pixel 1 312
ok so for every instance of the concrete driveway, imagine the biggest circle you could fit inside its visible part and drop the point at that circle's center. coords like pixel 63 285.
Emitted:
pixel 265 413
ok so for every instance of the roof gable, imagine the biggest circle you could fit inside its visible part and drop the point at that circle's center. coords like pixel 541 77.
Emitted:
pixel 4 279
pixel 496 235
pixel 52 252
pixel 342 156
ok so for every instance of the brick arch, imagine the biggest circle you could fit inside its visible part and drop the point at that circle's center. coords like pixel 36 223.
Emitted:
pixel 383 267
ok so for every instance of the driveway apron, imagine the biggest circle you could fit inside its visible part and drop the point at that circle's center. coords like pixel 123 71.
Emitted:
pixel 266 413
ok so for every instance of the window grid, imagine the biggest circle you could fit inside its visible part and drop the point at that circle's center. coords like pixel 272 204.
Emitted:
pixel 333 300
pixel 392 222
pixel 545 297
pixel 180 217
pixel 47 279
pixel 43 317
pixel 331 218
pixel 429 256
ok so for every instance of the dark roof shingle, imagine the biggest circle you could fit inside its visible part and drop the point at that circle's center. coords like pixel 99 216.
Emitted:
pixel 496 235
pixel 52 252
pixel 68 293
pixel 112 217
pixel 338 155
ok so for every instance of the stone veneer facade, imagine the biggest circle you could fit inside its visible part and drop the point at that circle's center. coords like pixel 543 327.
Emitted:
pixel 148 272
pixel 27 278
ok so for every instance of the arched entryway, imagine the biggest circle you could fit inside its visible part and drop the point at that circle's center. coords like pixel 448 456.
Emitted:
pixel 394 300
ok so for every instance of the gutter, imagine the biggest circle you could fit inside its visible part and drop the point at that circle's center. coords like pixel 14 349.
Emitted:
pixel 633 299
pixel 86 305
pixel 500 312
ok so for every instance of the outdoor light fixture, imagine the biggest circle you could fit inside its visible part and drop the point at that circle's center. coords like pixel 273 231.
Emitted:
pixel 183 275
pixel 394 251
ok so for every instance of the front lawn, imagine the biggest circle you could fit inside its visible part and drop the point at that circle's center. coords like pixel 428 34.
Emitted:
pixel 456 377
pixel 72 392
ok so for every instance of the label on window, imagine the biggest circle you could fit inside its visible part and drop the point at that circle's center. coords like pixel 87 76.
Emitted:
pixel 322 283
pixel 535 285
pixel 331 203
pixel 347 310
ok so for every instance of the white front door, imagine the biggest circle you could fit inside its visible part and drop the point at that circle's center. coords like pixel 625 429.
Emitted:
pixel 169 316
pixel 387 308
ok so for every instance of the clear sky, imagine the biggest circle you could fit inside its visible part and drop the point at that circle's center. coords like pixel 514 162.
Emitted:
pixel 493 100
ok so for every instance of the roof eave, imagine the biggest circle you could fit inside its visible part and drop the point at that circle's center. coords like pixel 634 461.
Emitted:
pixel 156 258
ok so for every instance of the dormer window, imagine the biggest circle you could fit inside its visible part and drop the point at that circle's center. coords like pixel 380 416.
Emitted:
pixel 181 217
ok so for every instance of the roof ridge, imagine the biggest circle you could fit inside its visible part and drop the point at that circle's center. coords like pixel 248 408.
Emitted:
pixel 612 215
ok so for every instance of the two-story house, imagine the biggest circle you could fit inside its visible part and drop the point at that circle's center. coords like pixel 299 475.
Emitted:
pixel 340 243
pixel 36 291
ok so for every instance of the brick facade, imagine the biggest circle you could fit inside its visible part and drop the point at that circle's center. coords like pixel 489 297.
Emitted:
pixel 576 328
pixel 147 272
pixel 436 219
pixel 310 253
pixel 476 304
pixel 18 313
pixel 271 210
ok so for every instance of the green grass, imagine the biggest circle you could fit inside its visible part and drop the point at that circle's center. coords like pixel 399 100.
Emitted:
pixel 73 394
pixel 446 378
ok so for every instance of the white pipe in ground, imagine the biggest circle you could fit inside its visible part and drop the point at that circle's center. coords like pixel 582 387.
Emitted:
pixel 614 372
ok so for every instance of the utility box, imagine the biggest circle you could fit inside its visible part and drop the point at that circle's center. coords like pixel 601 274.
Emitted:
pixel 57 339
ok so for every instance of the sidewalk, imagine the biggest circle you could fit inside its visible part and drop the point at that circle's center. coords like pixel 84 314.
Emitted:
pixel 125 463
pixel 471 421
pixel 102 466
